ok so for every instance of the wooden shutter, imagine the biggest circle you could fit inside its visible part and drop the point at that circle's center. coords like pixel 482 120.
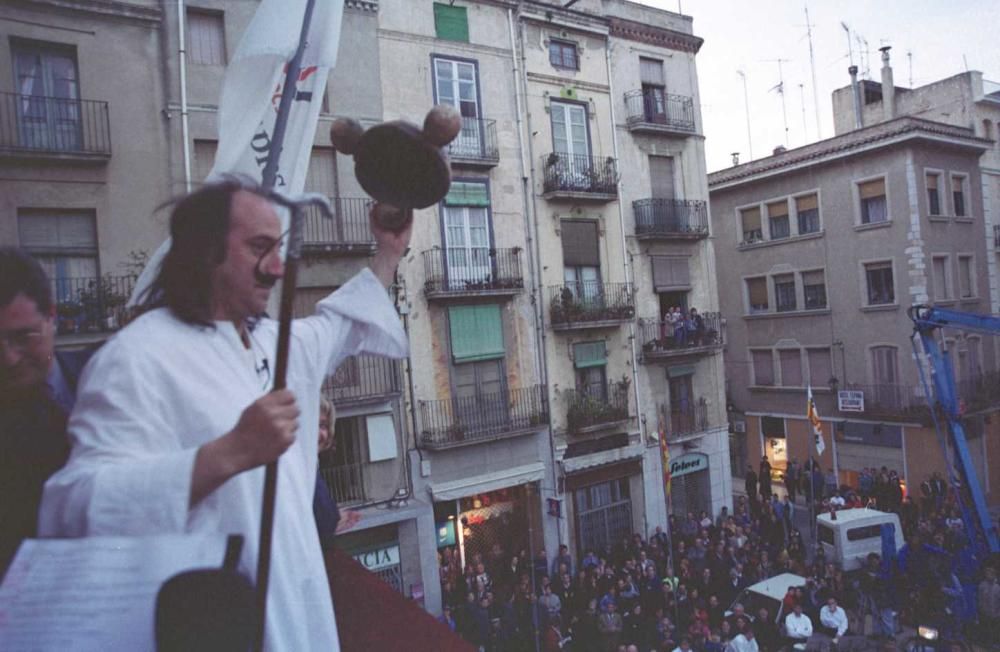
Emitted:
pixel 807 203
pixel 661 176
pixel 579 243
pixel 932 182
pixel 757 291
pixel 70 231
pixel 871 189
pixel 206 37
pixel 651 71
pixel 791 367
pixel 884 365
pixel 763 367
pixel 476 333
pixel 751 219
pixel 451 23
pixel 777 209
pixel 820 367
pixel 589 354
pixel 670 273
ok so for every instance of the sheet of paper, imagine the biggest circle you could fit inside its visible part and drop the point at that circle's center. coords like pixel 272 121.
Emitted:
pixel 94 594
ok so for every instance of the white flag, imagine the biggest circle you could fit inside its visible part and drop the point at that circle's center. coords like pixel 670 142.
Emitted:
pixel 813 417
pixel 251 91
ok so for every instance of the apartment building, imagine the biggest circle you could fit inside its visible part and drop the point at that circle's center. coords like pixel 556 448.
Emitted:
pixel 829 245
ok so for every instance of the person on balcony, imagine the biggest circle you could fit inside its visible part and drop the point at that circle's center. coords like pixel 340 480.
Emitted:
pixel 695 325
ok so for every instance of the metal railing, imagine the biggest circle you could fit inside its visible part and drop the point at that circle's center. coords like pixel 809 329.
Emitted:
pixel 591 301
pixel 596 406
pixel 476 141
pixel 662 338
pixel 33 123
pixel 653 106
pixel 670 217
pixel 472 270
pixel 687 418
pixel 348 228
pixel 980 392
pixel 893 400
pixel 465 420
pixel 362 378
pixel 346 483
pixel 580 173
pixel 91 304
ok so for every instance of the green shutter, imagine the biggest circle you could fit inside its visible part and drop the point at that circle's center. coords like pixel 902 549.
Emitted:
pixel 680 370
pixel 476 333
pixel 451 23
pixel 589 354
pixel 467 194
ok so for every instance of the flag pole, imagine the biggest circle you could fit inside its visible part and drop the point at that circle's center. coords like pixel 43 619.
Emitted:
pixel 269 176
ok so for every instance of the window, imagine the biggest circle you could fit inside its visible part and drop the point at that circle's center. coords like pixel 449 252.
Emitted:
pixel 590 361
pixel 65 243
pixel 933 181
pixel 790 361
pixel 757 294
pixel 807 209
pixel 342 466
pixel 814 289
pixel 784 292
pixel 653 90
pixel 750 220
pixel 456 84
pixel 763 367
pixel 825 534
pixel 603 514
pixel 878 280
pixel 874 209
pixel 48 110
pixel 820 366
pixel 958 194
pixel 571 145
pixel 884 369
pixel 966 279
pixel 581 258
pixel 467 234
pixel 777 217
pixel 451 23
pixel 206 37
pixel 562 54
pixel 942 284
pixel 476 332
pixel 670 273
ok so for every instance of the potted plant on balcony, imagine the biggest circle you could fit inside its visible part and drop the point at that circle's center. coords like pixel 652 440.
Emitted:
pixel 68 312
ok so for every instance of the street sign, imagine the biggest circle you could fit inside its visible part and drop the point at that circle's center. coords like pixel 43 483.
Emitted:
pixel 851 400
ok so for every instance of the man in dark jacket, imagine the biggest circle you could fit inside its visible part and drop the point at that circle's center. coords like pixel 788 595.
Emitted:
pixel 37 392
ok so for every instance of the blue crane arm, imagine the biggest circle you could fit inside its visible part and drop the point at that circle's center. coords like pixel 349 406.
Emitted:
pixel 927 320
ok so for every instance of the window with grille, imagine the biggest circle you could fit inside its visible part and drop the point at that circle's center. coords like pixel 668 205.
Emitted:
pixel 206 37
pixel 933 181
pixel 814 289
pixel 790 361
pixel 878 279
pixel 807 212
pixel 757 294
pixel 750 221
pixel 563 54
pixel 777 217
pixel 874 209
pixel 958 194
pixel 763 367
pixel 784 293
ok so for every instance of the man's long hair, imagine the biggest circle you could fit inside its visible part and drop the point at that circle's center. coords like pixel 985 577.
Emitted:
pixel 199 226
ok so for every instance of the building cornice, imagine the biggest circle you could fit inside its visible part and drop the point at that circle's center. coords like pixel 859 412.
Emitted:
pixel 563 82
pixel 362 5
pixel 104 8
pixel 652 35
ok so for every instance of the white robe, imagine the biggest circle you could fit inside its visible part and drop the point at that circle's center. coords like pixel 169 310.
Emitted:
pixel 160 389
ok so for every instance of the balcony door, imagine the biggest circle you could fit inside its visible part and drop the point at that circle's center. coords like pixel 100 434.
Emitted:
pixel 467 235
pixel 48 106
pixel 885 374
pixel 456 84
pixel 571 143
pixel 480 396
pixel 681 403
pixel 653 90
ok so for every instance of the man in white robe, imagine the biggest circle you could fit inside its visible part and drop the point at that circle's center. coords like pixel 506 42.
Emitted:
pixel 174 421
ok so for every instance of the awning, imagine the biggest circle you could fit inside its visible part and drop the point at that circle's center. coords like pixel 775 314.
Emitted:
pixel 480 484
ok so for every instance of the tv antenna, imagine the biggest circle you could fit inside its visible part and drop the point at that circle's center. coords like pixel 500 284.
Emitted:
pixel 850 46
pixel 805 130
pixel 909 58
pixel 812 66
pixel 746 109
pixel 780 88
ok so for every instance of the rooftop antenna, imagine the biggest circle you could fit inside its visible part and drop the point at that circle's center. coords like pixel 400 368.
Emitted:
pixel 780 88
pixel 812 66
pixel 802 96
pixel 850 48
pixel 746 109
pixel 866 72
pixel 965 62
pixel 909 57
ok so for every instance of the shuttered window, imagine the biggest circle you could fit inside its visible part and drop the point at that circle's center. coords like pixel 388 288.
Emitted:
pixel 777 217
pixel 206 37
pixel 451 23
pixel 670 273
pixel 820 366
pixel 467 194
pixel 476 333
pixel 757 294
pixel 814 289
pixel 589 354
pixel 933 194
pixel 579 243
pixel 763 367
pixel 750 219
pixel 958 194
pixel 651 71
pixel 807 211
pixel 57 231
pixel 873 202
pixel 939 270
pixel 791 367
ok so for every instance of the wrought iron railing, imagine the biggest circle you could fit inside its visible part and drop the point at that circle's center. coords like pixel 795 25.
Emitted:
pixel 591 301
pixel 33 123
pixel 363 378
pixel 670 217
pixel 893 400
pixel 662 337
pixel 596 406
pixel 472 270
pixel 580 173
pixel 653 106
pixel 346 483
pixel 91 304
pixel 980 392
pixel 476 141
pixel 348 228
pixel 456 421
pixel 687 418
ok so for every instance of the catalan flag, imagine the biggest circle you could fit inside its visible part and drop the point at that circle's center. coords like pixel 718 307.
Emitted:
pixel 813 417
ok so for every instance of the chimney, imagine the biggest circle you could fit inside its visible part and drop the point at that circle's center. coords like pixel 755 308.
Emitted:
pixel 853 71
pixel 888 89
pixel 780 149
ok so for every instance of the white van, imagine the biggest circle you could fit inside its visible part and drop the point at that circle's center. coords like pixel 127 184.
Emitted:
pixel 855 533
pixel 767 593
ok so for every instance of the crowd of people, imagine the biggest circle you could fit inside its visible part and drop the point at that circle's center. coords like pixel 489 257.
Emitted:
pixel 680 593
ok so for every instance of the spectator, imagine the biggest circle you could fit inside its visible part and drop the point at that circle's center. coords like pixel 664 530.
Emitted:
pixel 610 626
pixel 745 642
pixel 798 626
pixel 833 619
pixel 764 478
pixel 988 594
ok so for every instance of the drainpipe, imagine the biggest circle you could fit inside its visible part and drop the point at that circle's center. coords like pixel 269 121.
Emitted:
pixel 181 59
pixel 853 71
pixel 531 234
pixel 625 255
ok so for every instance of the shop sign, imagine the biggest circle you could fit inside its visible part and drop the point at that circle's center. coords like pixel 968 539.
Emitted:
pixel 851 400
pixel 378 558
pixel 690 463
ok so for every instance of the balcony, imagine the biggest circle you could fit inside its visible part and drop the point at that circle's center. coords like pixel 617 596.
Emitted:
pixel 661 340
pixel 981 392
pixel 590 304
pixel 346 483
pixel 53 127
pixel 92 304
pixel 596 408
pixel 476 144
pixel 463 273
pixel 363 379
pixel 894 401
pixel 579 178
pixel 687 420
pixel 462 421
pixel 347 233
pixel 651 111
pixel 670 219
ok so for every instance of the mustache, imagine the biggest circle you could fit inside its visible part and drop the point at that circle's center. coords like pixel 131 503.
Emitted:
pixel 263 278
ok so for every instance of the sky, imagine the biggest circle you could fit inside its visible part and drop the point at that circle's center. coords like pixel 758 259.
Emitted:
pixel 944 38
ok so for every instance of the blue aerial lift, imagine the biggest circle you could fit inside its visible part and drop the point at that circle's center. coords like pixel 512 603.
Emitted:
pixel 946 403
